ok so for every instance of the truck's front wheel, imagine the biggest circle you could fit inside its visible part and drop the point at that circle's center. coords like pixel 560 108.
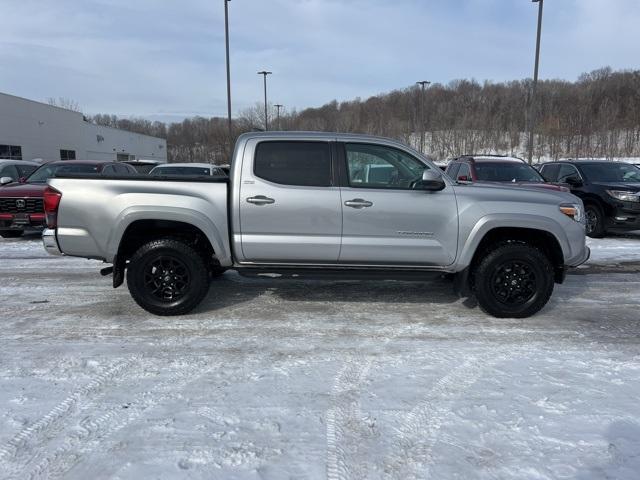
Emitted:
pixel 167 277
pixel 514 280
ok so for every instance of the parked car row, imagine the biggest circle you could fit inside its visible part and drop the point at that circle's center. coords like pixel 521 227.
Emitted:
pixel 609 190
pixel 23 184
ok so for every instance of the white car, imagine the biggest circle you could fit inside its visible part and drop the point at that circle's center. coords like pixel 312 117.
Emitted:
pixel 189 169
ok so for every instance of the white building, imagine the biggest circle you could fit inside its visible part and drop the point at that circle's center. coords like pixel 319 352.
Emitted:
pixel 32 130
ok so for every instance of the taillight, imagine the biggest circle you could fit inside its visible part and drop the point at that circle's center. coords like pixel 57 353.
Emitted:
pixel 51 202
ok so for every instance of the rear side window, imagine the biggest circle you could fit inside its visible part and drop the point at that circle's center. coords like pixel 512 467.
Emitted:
pixel 465 172
pixel 306 164
pixel 25 170
pixel 550 172
pixel 9 171
pixel 452 171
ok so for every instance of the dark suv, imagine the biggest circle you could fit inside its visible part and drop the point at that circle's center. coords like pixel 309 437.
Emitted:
pixel 498 169
pixel 610 192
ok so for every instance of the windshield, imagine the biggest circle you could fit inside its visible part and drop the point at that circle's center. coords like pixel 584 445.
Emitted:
pixel 507 172
pixel 180 171
pixel 45 172
pixel 611 172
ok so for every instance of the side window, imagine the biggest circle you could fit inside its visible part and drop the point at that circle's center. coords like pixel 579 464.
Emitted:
pixel 25 170
pixel 464 174
pixel 9 171
pixel 377 166
pixel 108 170
pixel 306 164
pixel 567 171
pixel 121 169
pixel 452 171
pixel 550 172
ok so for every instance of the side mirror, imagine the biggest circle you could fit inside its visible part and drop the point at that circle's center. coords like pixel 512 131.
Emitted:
pixel 5 180
pixel 463 178
pixel 432 181
pixel 573 181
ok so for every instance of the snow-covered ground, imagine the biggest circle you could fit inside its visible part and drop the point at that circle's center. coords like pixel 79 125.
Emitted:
pixel 274 379
pixel 620 248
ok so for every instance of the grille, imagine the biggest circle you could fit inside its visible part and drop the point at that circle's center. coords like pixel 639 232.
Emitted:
pixel 31 205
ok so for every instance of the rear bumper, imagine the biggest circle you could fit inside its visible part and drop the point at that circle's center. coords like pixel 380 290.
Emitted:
pixel 50 242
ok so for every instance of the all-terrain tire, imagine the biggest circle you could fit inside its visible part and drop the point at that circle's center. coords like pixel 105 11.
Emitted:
pixel 595 221
pixel 167 277
pixel 11 233
pixel 514 280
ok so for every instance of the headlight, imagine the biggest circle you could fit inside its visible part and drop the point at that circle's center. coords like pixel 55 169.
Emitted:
pixel 624 196
pixel 573 210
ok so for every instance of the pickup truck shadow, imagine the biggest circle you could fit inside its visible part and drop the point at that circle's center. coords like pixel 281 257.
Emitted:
pixel 232 289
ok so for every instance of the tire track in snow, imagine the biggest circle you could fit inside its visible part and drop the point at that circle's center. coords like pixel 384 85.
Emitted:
pixel 344 415
pixel 19 446
pixel 345 422
pixel 411 455
pixel 93 430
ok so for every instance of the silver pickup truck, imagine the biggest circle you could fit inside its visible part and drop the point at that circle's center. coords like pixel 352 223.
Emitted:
pixel 309 202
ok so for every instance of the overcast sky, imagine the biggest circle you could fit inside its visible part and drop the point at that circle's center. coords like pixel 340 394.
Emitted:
pixel 165 58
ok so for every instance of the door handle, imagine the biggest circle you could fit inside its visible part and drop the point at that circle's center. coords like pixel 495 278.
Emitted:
pixel 261 200
pixel 358 203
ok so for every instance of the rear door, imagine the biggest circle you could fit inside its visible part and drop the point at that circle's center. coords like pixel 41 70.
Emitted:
pixel 289 205
pixel 386 219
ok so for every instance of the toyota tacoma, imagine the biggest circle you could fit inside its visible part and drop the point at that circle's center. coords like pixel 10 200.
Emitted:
pixel 318 203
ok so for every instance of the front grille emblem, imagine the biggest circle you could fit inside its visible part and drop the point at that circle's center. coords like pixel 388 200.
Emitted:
pixel 20 203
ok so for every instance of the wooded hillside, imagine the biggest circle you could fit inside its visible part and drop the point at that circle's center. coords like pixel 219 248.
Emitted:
pixel 596 116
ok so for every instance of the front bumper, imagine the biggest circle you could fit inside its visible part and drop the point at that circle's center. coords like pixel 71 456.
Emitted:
pixel 583 258
pixel 22 221
pixel 50 242
pixel 625 217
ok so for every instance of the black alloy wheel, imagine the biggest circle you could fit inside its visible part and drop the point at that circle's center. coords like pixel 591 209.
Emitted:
pixel 168 277
pixel 513 280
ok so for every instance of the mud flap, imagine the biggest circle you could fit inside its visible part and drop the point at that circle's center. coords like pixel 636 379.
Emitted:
pixel 119 266
pixel 461 284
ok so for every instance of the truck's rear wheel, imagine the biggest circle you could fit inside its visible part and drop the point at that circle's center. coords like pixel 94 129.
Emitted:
pixel 167 277
pixel 514 280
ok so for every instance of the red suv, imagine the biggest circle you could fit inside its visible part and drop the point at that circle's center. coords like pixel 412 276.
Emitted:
pixel 21 203
pixel 498 169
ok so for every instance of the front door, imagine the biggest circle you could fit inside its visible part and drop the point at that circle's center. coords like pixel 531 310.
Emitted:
pixel 387 219
pixel 290 209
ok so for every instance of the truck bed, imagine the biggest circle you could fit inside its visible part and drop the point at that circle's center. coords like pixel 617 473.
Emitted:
pixel 95 212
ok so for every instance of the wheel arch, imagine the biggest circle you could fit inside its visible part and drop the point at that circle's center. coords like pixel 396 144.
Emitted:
pixel 136 226
pixel 544 234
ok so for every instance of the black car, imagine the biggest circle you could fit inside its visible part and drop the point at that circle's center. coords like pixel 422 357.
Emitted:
pixel 610 192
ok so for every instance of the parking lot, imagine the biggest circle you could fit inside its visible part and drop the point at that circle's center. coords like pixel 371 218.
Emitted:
pixel 301 379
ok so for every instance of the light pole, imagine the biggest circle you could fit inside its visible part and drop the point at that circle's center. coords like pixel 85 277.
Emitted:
pixel 422 84
pixel 226 37
pixel 278 107
pixel 264 73
pixel 534 88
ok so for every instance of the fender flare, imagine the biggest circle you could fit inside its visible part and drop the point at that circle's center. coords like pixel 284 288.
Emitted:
pixel 177 214
pixel 510 220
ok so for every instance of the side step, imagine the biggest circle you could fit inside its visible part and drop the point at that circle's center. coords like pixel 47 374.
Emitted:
pixel 339 274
